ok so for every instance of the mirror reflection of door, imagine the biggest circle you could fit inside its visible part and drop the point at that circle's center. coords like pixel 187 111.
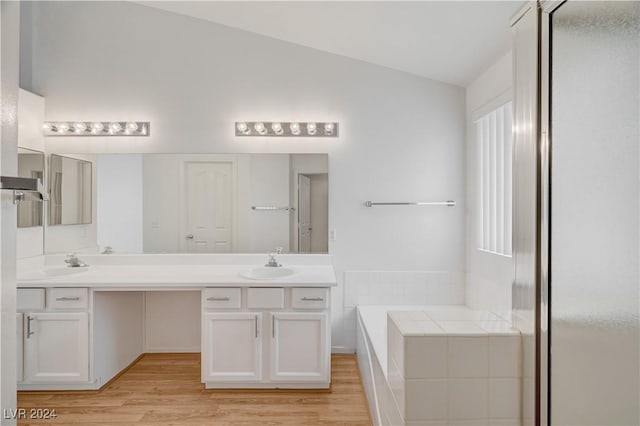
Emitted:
pixel 313 226
pixel 209 204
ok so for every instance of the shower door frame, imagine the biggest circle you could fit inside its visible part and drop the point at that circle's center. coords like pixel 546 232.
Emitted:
pixel 545 165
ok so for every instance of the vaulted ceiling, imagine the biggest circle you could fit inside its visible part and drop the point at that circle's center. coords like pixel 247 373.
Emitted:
pixel 450 41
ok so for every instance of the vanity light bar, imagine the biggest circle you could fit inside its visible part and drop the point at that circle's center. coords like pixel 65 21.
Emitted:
pixel 287 129
pixel 96 128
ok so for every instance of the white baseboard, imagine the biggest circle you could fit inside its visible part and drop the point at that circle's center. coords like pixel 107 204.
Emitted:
pixel 342 350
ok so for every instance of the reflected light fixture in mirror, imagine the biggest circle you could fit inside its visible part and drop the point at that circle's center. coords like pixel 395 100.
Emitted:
pixel 286 129
pixel 97 128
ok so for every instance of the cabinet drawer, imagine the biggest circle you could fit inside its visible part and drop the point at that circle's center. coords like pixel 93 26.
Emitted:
pixel 30 299
pixel 67 298
pixel 226 298
pixel 265 298
pixel 309 298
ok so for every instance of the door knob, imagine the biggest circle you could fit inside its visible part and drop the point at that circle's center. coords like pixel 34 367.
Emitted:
pixel 189 237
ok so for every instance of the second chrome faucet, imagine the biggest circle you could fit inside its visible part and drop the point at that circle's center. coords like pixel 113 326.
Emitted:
pixel 273 263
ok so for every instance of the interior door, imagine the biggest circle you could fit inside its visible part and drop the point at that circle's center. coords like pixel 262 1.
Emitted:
pixel 595 210
pixel 304 214
pixel 209 207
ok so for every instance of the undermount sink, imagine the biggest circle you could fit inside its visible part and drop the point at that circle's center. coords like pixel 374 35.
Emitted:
pixel 51 272
pixel 266 273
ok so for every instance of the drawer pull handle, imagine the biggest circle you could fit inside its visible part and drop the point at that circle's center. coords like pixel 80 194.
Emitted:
pixel 67 299
pixel 312 299
pixel 29 332
pixel 256 318
pixel 218 299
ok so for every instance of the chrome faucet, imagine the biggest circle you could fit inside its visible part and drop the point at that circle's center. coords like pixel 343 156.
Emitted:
pixel 273 263
pixel 73 261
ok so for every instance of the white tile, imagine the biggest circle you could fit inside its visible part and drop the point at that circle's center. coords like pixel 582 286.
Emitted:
pixel 425 357
pixel 397 384
pixel 401 315
pixel 395 345
pixel 504 356
pixel 468 399
pixel 426 400
pixel 461 315
pixel 498 328
pixel 419 316
pixel 504 398
pixel 419 328
pixel 462 328
pixel 430 328
pixel 409 328
pixel 468 357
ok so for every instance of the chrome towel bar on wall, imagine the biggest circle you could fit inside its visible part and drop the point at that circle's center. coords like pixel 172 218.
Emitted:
pixel 448 203
pixel 20 185
pixel 272 208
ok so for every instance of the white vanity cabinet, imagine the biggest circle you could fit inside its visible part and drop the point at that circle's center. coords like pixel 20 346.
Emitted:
pixel 300 348
pixel 54 343
pixel 232 347
pixel 56 347
pixel 266 338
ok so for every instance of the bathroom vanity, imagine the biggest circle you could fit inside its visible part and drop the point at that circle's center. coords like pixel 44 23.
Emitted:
pixel 78 328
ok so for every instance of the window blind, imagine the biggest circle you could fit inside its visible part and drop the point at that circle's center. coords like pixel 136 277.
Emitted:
pixel 494 143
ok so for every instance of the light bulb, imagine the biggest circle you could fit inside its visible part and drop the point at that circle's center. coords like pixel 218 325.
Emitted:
pixel 115 127
pixel 79 127
pixel 311 128
pixel 295 128
pixel 97 127
pixel 132 127
pixel 260 128
pixel 328 128
pixel 277 128
pixel 242 128
pixel 47 127
pixel 62 127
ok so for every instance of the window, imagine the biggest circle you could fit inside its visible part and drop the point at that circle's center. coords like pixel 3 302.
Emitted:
pixel 494 147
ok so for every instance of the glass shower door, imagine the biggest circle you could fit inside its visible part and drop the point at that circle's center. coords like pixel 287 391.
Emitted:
pixel 595 232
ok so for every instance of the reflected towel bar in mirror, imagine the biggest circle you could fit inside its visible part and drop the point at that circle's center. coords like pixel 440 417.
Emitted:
pixel 448 203
pixel 264 208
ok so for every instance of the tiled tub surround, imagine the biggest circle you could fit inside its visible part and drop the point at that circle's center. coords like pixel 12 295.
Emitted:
pixel 397 288
pixel 441 365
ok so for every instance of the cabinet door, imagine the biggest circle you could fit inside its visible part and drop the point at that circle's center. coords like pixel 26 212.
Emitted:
pixel 56 347
pixel 20 345
pixel 299 347
pixel 231 347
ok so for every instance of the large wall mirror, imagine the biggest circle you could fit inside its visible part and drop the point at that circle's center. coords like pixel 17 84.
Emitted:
pixel 30 165
pixel 70 191
pixel 212 203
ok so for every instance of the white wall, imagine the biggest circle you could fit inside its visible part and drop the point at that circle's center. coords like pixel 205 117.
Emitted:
pixel 489 276
pixel 401 136
pixel 119 202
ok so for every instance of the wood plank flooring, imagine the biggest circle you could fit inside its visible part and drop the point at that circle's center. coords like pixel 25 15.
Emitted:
pixel 165 389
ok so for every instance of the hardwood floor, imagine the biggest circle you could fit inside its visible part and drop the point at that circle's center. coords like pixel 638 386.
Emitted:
pixel 165 389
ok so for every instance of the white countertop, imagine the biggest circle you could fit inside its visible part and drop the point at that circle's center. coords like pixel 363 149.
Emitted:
pixel 140 276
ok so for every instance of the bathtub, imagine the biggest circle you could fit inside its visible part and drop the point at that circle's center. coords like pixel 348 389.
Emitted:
pixel 372 359
pixel 386 390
